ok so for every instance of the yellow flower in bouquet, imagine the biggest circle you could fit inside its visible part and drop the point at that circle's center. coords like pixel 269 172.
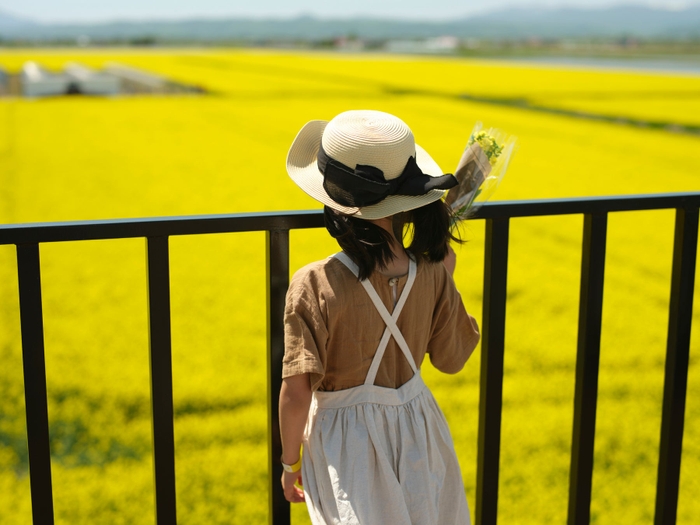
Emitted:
pixel 480 170
pixel 488 144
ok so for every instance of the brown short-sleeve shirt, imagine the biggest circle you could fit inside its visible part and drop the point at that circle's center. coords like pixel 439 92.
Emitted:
pixel 332 328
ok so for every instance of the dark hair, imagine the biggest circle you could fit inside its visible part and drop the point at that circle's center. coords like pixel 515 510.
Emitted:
pixel 369 246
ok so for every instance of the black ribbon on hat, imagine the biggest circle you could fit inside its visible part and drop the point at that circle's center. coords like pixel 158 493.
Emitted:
pixel 366 185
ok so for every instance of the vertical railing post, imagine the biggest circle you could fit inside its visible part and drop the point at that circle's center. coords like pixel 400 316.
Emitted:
pixel 491 381
pixel 677 357
pixel 587 365
pixel 161 378
pixel 277 259
pixel 35 393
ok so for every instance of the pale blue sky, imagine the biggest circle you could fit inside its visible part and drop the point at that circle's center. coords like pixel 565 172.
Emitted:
pixel 104 10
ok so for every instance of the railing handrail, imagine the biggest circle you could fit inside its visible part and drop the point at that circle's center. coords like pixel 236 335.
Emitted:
pixel 277 225
pixel 24 233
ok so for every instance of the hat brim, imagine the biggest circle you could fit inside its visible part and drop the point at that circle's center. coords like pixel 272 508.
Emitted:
pixel 303 170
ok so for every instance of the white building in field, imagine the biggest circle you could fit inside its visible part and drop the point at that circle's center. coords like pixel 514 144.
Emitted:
pixel 114 79
pixel 87 81
pixel 135 80
pixel 37 82
pixel 438 45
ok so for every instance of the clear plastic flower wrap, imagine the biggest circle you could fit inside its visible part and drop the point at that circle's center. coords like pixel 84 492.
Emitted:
pixel 480 170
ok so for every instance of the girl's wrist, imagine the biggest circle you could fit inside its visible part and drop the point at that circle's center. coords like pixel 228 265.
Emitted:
pixel 295 463
pixel 284 460
pixel 291 467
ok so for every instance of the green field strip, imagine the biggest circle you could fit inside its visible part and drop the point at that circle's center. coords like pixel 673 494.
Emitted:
pixel 521 103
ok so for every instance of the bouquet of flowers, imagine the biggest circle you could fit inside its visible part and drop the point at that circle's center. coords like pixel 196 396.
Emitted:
pixel 480 170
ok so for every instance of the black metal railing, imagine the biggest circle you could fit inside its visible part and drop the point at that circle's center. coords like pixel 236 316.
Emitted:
pixel 27 238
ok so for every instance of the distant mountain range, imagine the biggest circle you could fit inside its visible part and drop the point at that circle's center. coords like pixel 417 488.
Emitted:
pixel 612 22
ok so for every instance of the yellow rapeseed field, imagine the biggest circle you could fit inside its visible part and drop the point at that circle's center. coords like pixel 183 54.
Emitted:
pixel 91 158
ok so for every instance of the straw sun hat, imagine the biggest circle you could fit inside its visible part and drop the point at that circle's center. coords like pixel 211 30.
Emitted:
pixel 365 163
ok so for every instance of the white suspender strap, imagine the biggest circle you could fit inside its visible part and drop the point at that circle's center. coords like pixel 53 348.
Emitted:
pixel 389 319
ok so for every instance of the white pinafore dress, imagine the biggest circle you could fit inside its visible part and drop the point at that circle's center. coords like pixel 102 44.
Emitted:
pixel 382 456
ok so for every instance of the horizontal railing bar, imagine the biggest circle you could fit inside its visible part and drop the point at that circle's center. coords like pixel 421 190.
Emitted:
pixel 290 220
pixel 592 205
pixel 159 226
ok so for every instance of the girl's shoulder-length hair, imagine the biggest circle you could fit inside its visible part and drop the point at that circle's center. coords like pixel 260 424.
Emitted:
pixel 429 230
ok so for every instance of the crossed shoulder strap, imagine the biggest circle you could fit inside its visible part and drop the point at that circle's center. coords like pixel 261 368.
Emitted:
pixel 389 319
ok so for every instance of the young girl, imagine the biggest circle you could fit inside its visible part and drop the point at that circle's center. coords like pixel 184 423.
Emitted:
pixel 376 447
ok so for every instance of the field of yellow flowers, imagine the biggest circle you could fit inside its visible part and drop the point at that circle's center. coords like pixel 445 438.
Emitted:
pixel 81 158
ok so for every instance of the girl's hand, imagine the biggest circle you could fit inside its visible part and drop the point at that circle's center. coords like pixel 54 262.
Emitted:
pixel 292 493
pixel 450 260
